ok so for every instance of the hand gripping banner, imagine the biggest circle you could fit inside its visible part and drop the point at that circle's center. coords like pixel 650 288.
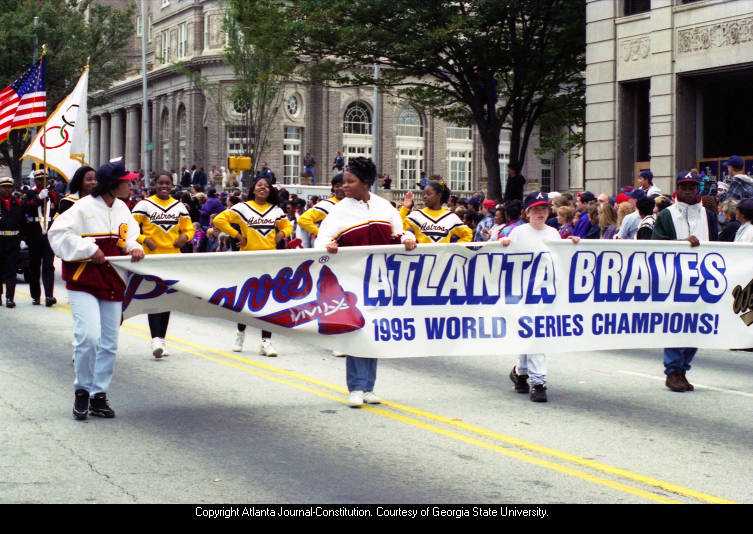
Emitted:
pixel 456 300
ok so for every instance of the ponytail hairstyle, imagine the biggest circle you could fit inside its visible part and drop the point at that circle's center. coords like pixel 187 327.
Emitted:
pixel 441 189
pixel 363 169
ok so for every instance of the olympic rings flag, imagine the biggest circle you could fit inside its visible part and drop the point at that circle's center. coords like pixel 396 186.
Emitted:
pixel 456 300
pixel 63 141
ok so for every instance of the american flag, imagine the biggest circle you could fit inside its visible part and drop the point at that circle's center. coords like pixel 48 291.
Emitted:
pixel 24 102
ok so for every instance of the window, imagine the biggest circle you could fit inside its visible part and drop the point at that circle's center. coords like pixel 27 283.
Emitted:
pixel 410 165
pixel 237 140
pixel 459 132
pixel 165 54
pixel 293 105
pixel 546 175
pixel 357 119
pixel 139 28
pixel 291 155
pixel 633 7
pixel 182 40
pixel 460 169
pixel 182 136
pixel 503 156
pixel 149 28
pixel 165 136
pixel 409 123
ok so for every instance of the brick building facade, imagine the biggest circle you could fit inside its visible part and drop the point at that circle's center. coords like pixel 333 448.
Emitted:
pixel 187 127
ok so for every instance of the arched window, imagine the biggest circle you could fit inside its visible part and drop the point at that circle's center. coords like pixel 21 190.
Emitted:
pixel 165 135
pixel 357 119
pixel 182 136
pixel 409 123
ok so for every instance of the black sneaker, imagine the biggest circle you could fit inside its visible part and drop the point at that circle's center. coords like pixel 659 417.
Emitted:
pixel 35 302
pixel 81 405
pixel 49 301
pixel 10 304
pixel 98 406
pixel 538 393
pixel 519 381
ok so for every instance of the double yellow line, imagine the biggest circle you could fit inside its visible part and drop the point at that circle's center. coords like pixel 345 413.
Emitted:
pixel 458 430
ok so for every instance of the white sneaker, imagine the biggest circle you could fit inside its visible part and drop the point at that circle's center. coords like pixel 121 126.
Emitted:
pixel 355 399
pixel 370 398
pixel 338 354
pixel 238 343
pixel 266 348
pixel 157 347
pixel 164 347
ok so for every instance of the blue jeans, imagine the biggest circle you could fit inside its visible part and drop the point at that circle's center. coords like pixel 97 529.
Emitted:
pixel 678 359
pixel 360 373
pixel 310 170
pixel 95 335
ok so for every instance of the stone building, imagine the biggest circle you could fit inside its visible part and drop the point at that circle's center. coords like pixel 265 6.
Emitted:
pixel 188 126
pixel 667 88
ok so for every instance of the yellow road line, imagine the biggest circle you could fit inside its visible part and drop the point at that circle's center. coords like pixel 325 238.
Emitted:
pixel 432 428
pixel 597 466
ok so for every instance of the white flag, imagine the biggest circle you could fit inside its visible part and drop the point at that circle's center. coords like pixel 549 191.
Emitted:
pixel 64 139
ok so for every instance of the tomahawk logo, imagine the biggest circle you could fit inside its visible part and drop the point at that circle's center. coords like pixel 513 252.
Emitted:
pixel 334 309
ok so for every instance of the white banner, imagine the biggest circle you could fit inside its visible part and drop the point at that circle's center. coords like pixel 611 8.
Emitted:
pixel 453 300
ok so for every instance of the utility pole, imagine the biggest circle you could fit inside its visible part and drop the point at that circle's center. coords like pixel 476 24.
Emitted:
pixel 145 102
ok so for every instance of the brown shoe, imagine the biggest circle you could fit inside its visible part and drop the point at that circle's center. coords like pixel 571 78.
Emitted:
pixel 676 382
pixel 688 385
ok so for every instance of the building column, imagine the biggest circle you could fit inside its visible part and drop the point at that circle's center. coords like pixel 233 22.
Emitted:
pixel 601 105
pixel 661 101
pixel 104 139
pixel 133 136
pixel 94 142
pixel 116 135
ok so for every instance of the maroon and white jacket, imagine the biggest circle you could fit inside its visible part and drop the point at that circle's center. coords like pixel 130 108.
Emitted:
pixel 354 222
pixel 76 235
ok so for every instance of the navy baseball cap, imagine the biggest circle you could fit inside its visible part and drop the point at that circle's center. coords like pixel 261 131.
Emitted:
pixel 736 162
pixel 648 175
pixel 637 193
pixel 114 170
pixel 586 196
pixel 687 176
pixel 536 198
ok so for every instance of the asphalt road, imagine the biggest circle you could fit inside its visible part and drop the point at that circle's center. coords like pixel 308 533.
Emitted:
pixel 206 425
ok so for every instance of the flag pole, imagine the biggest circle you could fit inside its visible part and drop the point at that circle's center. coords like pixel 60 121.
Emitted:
pixel 46 206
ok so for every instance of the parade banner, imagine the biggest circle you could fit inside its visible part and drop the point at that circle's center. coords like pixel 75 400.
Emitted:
pixel 456 300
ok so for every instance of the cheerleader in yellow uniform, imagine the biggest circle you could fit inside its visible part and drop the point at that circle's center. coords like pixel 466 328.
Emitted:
pixel 165 228
pixel 262 224
pixel 433 223
pixel 312 218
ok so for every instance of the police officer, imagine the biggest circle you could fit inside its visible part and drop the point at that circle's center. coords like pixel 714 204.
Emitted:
pixel 40 254
pixel 12 222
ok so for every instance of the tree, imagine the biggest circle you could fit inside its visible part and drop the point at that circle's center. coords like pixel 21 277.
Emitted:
pixel 260 50
pixel 73 32
pixel 492 63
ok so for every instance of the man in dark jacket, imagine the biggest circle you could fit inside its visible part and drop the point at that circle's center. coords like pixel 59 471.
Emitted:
pixel 515 182
pixel 685 220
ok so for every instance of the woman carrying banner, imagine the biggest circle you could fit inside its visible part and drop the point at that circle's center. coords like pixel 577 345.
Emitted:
pixel 165 228
pixel 433 223
pixel 82 182
pixel 97 226
pixel 361 218
pixel 262 224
